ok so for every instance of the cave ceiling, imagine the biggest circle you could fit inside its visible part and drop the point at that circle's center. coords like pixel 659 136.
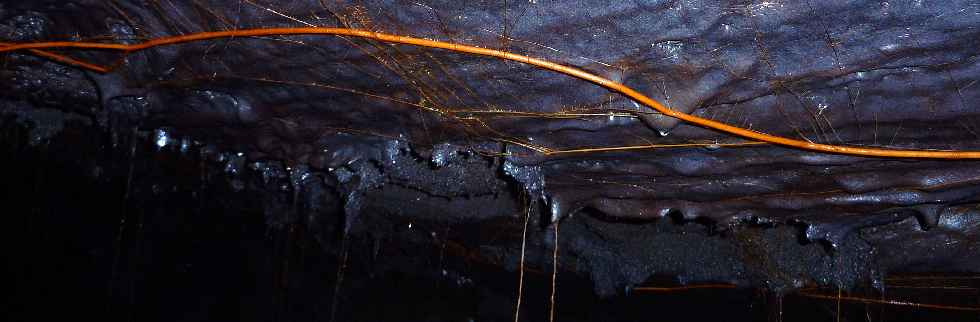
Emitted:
pixel 443 136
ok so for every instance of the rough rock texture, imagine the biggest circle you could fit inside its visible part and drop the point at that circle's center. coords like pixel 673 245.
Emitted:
pixel 353 139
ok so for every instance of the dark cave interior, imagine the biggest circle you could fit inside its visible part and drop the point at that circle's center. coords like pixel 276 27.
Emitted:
pixel 325 178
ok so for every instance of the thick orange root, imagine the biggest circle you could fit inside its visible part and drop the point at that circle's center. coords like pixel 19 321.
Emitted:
pixel 574 72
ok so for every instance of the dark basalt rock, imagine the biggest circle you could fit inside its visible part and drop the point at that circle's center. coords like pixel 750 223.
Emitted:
pixel 375 152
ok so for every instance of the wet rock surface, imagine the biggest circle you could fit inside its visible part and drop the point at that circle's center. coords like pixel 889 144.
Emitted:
pixel 400 161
